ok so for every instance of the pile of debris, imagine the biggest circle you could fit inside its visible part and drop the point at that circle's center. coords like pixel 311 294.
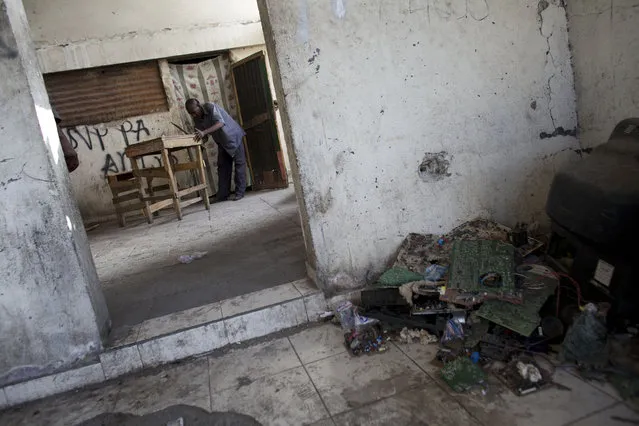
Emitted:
pixel 484 293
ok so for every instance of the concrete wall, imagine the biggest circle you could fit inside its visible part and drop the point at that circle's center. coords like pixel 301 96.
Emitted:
pixel 52 311
pixel 73 34
pixel 415 116
pixel 604 36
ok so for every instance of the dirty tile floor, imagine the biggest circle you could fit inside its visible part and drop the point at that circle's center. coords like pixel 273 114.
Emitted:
pixel 308 378
pixel 252 244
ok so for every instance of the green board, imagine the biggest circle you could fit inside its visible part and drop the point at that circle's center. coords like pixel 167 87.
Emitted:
pixel 470 262
pixel 524 318
pixel 395 277
pixel 461 374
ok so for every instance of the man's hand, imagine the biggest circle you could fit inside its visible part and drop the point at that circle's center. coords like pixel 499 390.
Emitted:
pixel 199 135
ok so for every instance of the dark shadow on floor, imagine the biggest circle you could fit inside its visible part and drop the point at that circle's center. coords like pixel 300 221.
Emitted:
pixel 190 416
pixel 255 259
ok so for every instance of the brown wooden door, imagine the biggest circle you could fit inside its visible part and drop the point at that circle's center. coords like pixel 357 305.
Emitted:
pixel 257 116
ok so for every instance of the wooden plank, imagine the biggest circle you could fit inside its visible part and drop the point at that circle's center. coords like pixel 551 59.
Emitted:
pixel 153 146
pixel 161 205
pixel 146 210
pixel 191 190
pixel 123 185
pixel 165 187
pixel 119 177
pixel 123 192
pixel 154 198
pixel 185 141
pixel 190 201
pixel 127 197
pixel 185 166
pixel 174 188
pixel 205 193
pixel 129 208
pixel 152 172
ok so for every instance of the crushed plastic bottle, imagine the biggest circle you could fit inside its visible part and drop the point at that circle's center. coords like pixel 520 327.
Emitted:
pixel 188 258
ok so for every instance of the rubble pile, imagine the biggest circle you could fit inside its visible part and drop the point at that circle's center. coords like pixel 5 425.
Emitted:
pixel 486 296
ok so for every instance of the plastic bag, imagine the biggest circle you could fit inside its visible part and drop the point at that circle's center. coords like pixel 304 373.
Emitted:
pixel 453 331
pixel 435 272
pixel 350 319
pixel 188 258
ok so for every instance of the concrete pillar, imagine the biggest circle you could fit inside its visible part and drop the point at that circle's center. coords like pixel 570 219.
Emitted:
pixel 52 311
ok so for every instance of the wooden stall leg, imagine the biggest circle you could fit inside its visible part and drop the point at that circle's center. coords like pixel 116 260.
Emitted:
pixel 166 160
pixel 121 219
pixel 149 186
pixel 203 193
pixel 146 210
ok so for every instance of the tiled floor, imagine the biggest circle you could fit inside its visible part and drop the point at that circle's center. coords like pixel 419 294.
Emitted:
pixel 252 245
pixel 308 378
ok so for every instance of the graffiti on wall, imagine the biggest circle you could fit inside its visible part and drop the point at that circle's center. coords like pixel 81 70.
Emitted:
pixel 101 139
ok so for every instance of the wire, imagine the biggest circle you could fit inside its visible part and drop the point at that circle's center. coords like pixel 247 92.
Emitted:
pixel 560 275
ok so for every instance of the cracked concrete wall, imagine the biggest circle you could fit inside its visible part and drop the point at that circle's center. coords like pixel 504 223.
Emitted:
pixel 372 89
pixel 74 34
pixel 604 36
pixel 52 311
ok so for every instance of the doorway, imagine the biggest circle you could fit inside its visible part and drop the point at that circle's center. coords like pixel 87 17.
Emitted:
pixel 250 245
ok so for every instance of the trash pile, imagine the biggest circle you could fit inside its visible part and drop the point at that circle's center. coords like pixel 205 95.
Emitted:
pixel 485 295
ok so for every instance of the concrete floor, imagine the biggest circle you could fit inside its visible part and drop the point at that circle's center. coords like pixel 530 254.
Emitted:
pixel 252 244
pixel 309 378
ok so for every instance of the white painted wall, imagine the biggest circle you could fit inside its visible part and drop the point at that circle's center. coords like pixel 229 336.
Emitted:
pixel 604 36
pixel 88 180
pixel 370 87
pixel 52 311
pixel 73 34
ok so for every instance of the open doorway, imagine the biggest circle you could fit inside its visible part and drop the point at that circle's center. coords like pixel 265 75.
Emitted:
pixel 250 245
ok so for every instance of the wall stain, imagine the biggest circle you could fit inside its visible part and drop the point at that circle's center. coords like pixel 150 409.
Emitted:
pixel 434 166
pixel 340 160
pixel 559 131
pixel 316 53
pixel 243 381
pixel 579 151
pixel 9 181
pixel 322 203
pixel 6 51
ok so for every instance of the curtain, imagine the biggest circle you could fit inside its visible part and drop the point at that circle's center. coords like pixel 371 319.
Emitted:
pixel 206 81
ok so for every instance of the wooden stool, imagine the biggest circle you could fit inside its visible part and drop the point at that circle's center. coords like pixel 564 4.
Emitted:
pixel 125 188
pixel 164 146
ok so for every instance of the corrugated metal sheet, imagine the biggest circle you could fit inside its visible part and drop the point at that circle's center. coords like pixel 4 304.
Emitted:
pixel 100 95
pixel 255 104
pixel 252 86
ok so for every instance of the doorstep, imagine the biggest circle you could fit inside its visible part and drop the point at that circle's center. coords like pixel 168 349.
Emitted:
pixel 181 335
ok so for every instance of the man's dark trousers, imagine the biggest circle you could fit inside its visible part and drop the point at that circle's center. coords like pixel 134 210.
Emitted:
pixel 225 170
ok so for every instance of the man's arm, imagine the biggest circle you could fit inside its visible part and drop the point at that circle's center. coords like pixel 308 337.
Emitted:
pixel 70 156
pixel 217 118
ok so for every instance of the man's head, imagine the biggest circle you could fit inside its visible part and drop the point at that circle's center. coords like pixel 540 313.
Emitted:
pixel 194 108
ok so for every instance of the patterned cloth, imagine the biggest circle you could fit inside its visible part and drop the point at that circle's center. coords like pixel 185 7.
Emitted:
pixel 206 81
